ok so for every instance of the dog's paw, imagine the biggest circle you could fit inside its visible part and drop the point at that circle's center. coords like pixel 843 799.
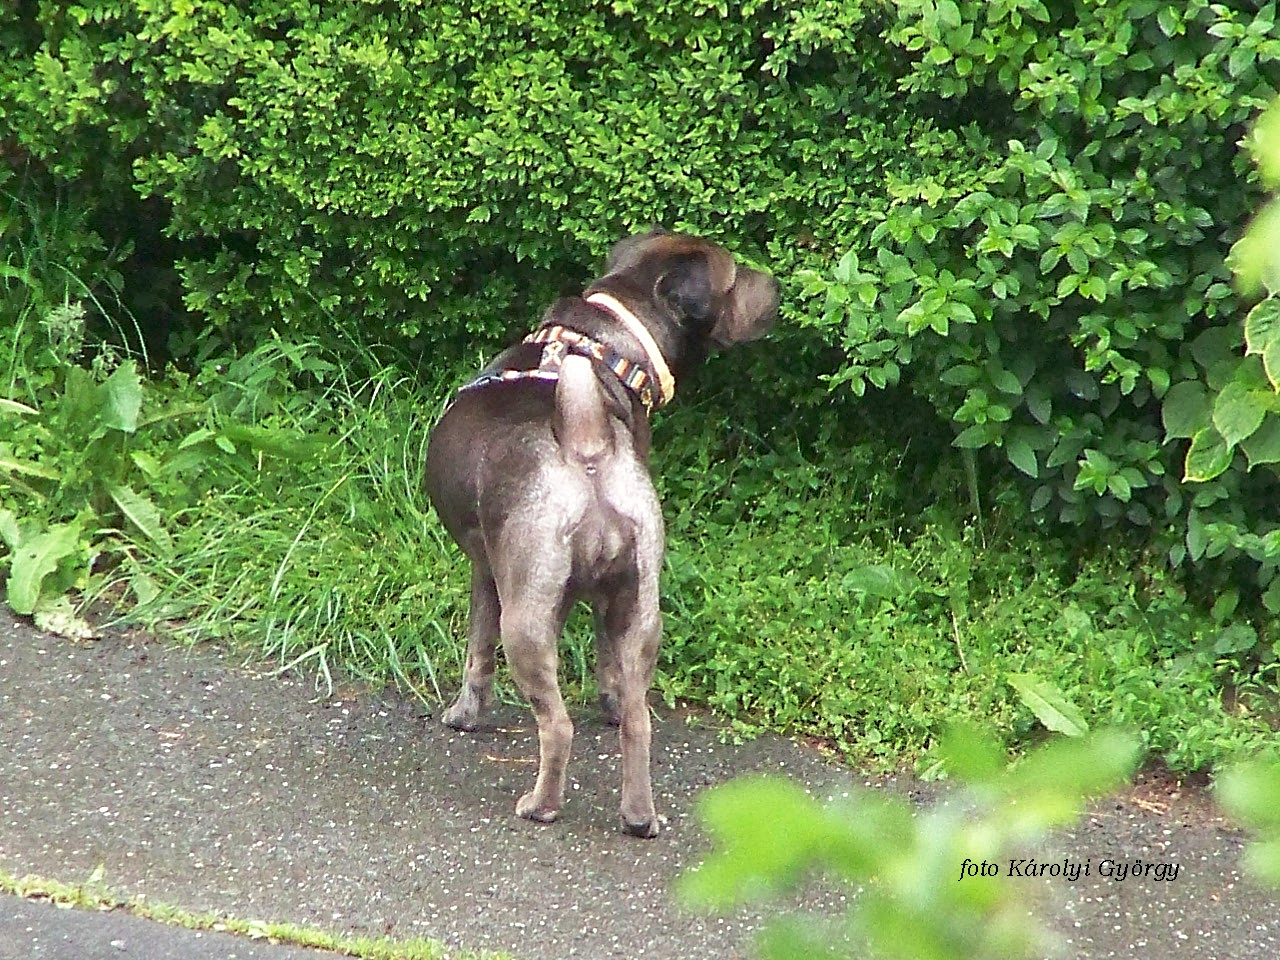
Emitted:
pixel 531 808
pixel 645 829
pixel 459 718
pixel 611 709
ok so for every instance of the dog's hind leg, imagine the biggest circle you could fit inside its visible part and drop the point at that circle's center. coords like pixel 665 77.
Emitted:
pixel 482 641
pixel 530 632
pixel 637 649
pixel 608 670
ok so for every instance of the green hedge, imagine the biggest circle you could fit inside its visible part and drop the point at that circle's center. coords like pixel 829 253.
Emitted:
pixel 419 168
pixel 1057 282
pixel 1021 210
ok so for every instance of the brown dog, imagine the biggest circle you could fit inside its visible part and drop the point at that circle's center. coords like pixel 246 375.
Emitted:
pixel 539 470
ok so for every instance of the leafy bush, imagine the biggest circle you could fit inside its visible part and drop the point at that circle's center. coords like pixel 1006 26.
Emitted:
pixel 419 168
pixel 841 598
pixel 1056 279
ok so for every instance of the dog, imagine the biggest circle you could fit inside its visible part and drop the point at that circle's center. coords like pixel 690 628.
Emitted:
pixel 538 469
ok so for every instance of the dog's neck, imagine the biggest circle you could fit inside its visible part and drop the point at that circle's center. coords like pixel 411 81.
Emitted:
pixel 666 382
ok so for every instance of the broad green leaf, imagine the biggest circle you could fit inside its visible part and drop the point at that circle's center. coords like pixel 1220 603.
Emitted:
pixel 1185 409
pixel 38 557
pixel 1263 445
pixel 1041 498
pixel 1262 860
pixel 978 435
pixel 948 14
pixel 123 399
pixel 1073 770
pixel 1215 345
pixel 142 513
pixel 1262 337
pixel 1271 598
pixel 1039 403
pixel 1006 382
pixel 9 531
pixel 1248 791
pixel 1197 536
pixel 754 851
pixel 1254 258
pixel 961 375
pixel 1049 704
pixel 1022 456
pixel 1236 638
pixel 1207 457
pixel 1238 412
pixel 879 580
pixel 972 754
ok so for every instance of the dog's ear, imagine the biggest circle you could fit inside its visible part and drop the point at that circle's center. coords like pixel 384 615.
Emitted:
pixel 752 308
pixel 623 250
pixel 686 287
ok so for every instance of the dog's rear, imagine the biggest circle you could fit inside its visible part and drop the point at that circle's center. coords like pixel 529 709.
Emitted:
pixel 538 471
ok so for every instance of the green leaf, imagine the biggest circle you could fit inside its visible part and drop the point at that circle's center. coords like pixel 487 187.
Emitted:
pixel 1262 860
pixel 1271 598
pixel 754 851
pixel 38 557
pixel 1185 409
pixel 1039 403
pixel 1022 456
pixel 1040 499
pixel 879 580
pixel 123 399
pixel 1197 536
pixel 1236 638
pixel 1006 382
pixel 1248 791
pixel 142 513
pixel 1263 445
pixel 28 469
pixel 1207 457
pixel 972 754
pixel 1238 412
pixel 1049 704
pixel 961 375
pixel 9 531
pixel 1262 337
pixel 978 435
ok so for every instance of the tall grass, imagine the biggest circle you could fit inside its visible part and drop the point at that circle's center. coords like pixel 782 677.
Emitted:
pixel 314 548
pixel 836 595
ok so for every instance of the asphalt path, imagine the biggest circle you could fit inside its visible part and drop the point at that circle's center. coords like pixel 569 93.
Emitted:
pixel 193 781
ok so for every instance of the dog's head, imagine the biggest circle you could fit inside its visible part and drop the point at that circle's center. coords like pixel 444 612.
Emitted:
pixel 695 284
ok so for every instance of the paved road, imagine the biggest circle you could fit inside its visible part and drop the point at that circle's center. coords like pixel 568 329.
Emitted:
pixel 201 784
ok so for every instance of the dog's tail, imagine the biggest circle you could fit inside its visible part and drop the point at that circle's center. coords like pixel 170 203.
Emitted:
pixel 581 420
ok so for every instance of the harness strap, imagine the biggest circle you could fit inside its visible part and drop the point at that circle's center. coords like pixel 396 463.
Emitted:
pixel 558 342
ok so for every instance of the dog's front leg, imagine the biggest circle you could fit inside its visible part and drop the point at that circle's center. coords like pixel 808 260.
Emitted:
pixel 529 637
pixel 482 642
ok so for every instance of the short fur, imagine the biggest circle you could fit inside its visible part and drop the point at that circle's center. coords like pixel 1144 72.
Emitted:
pixel 545 486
